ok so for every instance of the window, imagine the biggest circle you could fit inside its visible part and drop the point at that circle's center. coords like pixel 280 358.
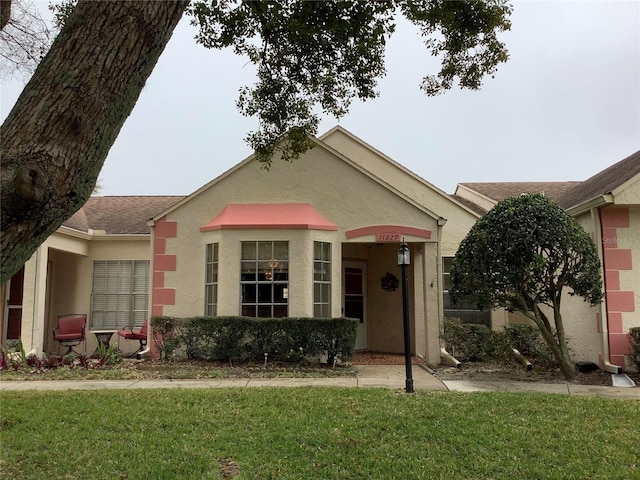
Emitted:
pixel 467 313
pixel 119 294
pixel 211 280
pixel 321 279
pixel 264 279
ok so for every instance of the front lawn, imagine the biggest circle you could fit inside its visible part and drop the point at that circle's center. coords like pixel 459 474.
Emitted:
pixel 310 433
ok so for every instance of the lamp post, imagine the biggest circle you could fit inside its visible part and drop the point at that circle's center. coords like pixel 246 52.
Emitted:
pixel 404 260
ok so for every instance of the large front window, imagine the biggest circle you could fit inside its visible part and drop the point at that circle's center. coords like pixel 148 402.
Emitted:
pixel 321 279
pixel 119 294
pixel 211 280
pixel 264 279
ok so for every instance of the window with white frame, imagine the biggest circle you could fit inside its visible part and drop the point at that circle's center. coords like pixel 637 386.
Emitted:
pixel 119 293
pixel 264 279
pixel 467 313
pixel 321 279
pixel 211 280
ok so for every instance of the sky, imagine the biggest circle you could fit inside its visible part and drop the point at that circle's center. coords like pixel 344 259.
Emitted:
pixel 564 107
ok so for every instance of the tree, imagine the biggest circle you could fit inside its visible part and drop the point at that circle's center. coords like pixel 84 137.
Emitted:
pixel 308 54
pixel 24 38
pixel 521 256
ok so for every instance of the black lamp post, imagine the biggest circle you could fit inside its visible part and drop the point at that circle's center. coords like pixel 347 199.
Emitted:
pixel 404 260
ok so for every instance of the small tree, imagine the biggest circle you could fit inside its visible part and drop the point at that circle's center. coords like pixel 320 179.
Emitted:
pixel 521 256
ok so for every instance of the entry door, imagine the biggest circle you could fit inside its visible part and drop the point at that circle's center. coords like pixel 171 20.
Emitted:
pixel 354 301
pixel 13 307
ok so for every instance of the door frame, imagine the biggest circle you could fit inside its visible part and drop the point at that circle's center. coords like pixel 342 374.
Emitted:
pixel 362 341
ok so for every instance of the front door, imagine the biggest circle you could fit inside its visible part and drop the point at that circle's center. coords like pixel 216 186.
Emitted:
pixel 354 305
pixel 13 307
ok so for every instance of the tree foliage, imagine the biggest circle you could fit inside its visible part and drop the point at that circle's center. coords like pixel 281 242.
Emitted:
pixel 311 57
pixel 314 57
pixel 523 255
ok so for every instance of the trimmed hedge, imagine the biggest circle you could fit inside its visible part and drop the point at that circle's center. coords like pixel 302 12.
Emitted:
pixel 476 342
pixel 237 339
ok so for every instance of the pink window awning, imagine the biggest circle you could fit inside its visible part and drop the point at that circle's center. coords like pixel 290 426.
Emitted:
pixel 269 216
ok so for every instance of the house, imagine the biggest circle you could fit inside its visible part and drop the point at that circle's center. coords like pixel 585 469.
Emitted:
pixel 316 237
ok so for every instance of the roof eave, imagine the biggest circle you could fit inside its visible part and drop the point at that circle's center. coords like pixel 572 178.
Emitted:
pixel 596 202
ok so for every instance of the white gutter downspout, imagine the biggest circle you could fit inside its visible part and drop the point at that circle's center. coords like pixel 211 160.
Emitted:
pixel 441 223
pixel 604 319
pixel 151 223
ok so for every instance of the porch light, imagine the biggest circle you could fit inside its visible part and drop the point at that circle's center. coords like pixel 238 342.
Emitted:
pixel 404 260
pixel 404 257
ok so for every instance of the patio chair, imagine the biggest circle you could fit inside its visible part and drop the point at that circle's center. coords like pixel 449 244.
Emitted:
pixel 70 331
pixel 132 333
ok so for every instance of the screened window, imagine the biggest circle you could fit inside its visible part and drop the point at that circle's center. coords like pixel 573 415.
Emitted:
pixel 119 294
pixel 211 280
pixel 321 279
pixel 467 313
pixel 264 279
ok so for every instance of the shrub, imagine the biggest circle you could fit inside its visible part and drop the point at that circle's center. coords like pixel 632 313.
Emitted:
pixel 236 339
pixel 468 341
pixel 528 340
pixel 634 338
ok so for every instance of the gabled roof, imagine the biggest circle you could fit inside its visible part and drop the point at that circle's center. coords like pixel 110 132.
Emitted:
pixel 499 191
pixel 602 183
pixel 119 215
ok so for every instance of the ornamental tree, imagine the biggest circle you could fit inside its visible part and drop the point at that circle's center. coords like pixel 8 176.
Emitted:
pixel 524 255
pixel 311 57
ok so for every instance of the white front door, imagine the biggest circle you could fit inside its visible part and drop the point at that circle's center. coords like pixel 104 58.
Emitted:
pixel 354 301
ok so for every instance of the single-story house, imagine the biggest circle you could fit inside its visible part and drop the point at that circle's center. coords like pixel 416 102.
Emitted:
pixel 315 237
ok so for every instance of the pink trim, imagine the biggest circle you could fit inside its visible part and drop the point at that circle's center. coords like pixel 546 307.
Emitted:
pixel 612 279
pixel 164 296
pixel 269 216
pixel 165 229
pixel 618 259
pixel 164 263
pixel 610 238
pixel 374 229
pixel 158 279
pixel 620 302
pixel 159 246
pixel 614 217
pixel 157 310
pixel 619 344
pixel 615 322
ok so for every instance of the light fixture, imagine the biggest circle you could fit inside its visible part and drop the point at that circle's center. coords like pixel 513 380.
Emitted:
pixel 404 260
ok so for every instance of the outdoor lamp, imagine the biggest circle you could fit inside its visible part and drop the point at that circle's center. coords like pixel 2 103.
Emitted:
pixel 404 260
pixel 404 257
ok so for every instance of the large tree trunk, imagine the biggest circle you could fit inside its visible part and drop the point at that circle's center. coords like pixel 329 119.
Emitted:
pixel 55 140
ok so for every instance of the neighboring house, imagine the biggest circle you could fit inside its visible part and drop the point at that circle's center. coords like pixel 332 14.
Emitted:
pixel 607 206
pixel 315 237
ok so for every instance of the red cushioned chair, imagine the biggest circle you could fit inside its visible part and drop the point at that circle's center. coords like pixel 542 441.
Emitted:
pixel 132 333
pixel 70 331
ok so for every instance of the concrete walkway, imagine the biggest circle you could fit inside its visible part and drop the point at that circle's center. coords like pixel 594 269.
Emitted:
pixel 381 376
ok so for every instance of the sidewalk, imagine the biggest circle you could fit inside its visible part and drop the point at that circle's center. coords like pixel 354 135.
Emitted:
pixel 382 376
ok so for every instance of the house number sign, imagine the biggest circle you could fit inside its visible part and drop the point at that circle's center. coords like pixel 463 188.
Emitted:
pixel 388 237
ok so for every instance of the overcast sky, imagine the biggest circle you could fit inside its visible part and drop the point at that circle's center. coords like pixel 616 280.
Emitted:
pixel 564 107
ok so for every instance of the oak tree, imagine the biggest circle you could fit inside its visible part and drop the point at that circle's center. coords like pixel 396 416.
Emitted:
pixel 309 56
pixel 524 255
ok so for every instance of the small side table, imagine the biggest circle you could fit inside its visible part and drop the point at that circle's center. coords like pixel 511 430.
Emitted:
pixel 103 337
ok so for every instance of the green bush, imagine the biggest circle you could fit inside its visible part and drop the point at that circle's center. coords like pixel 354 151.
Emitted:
pixel 528 340
pixel 634 337
pixel 237 339
pixel 468 341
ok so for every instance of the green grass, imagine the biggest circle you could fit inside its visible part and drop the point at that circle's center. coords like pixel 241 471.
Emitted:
pixel 315 433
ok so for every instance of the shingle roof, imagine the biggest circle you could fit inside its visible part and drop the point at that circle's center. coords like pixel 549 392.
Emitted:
pixel 498 191
pixel 468 203
pixel 604 182
pixel 120 215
